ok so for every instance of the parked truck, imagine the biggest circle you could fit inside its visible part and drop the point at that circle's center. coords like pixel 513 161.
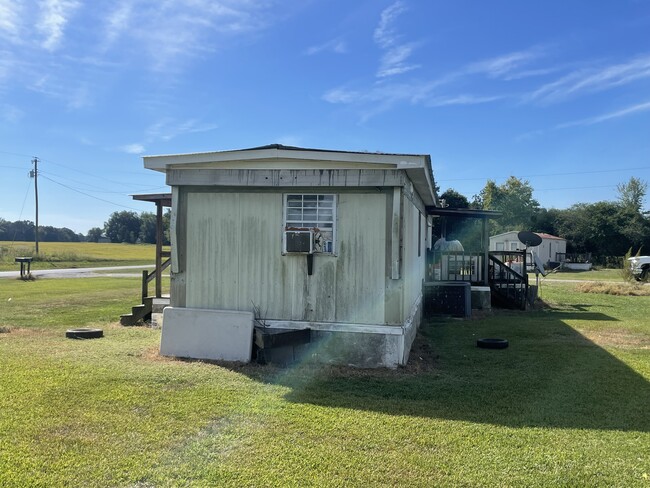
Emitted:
pixel 640 267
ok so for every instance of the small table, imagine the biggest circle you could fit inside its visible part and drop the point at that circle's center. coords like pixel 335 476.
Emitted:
pixel 25 261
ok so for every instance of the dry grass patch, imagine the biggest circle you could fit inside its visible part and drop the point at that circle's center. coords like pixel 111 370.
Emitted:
pixel 617 338
pixel 620 289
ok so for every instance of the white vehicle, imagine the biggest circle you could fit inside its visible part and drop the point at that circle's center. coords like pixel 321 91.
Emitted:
pixel 640 267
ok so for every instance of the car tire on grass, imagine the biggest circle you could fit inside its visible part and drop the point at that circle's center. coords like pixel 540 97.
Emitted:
pixel 84 333
pixel 492 343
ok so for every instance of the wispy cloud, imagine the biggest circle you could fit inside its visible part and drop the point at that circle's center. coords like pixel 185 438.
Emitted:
pixel 165 130
pixel 54 16
pixel 117 22
pixel 385 34
pixel 11 114
pixel 132 148
pixel 336 45
pixel 506 66
pixel 462 100
pixel 641 107
pixel 168 128
pixel 10 15
pixel 396 53
pixel 592 80
pixel 170 32
pixel 75 94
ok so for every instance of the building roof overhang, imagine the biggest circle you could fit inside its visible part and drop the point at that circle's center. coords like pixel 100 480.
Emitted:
pixel 416 166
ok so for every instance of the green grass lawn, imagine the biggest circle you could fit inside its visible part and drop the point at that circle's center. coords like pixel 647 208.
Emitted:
pixel 591 275
pixel 567 404
pixel 76 254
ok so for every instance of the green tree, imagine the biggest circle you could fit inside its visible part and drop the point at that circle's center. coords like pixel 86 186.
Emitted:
pixel 631 195
pixel 123 226
pixel 454 199
pixel 94 234
pixel 514 199
pixel 148 227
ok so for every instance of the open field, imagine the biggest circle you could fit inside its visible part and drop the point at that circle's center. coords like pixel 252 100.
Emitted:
pixel 565 405
pixel 76 254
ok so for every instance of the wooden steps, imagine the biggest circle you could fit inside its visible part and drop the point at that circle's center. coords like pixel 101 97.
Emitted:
pixel 143 311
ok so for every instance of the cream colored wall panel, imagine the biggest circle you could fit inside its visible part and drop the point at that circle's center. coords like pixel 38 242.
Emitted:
pixel 361 262
pixel 234 260
pixel 259 248
pixel 212 237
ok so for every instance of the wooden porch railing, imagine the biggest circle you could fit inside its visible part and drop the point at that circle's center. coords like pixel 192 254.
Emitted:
pixel 156 274
pixel 456 266
pixel 508 278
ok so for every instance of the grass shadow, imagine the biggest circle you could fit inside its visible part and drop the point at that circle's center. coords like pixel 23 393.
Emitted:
pixel 550 376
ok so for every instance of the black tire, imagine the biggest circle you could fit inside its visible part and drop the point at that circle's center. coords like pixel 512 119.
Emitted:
pixel 84 333
pixel 492 343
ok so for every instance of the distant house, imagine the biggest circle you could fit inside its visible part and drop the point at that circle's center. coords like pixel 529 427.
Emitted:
pixel 293 239
pixel 552 249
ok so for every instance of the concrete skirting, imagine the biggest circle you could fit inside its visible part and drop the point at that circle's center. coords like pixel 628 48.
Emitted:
pixel 359 345
pixel 228 335
pixel 207 334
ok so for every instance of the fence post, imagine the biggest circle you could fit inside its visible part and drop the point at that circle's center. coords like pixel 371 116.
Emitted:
pixel 145 284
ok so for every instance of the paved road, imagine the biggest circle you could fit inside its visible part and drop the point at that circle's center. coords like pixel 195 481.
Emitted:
pixel 80 272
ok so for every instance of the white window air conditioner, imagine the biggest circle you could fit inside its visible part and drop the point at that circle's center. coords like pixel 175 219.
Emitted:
pixel 299 241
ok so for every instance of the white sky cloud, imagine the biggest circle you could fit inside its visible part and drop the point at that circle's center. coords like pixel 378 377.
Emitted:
pixel 396 54
pixel 167 128
pixel 641 107
pixel 593 80
pixel 54 15
pixel 506 65
pixel 385 35
pixel 133 148
pixel 10 11
pixel 336 45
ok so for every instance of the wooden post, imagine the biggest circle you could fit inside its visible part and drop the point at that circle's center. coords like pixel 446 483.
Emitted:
pixel 145 284
pixel 486 252
pixel 159 243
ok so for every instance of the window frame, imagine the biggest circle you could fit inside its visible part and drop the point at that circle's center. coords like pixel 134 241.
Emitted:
pixel 286 225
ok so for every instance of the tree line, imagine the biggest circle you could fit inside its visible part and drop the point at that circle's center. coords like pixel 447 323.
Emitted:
pixel 605 228
pixel 131 228
pixel 128 227
pixel 25 230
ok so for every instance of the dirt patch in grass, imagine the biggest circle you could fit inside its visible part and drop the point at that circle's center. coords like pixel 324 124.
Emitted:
pixel 617 338
pixel 620 289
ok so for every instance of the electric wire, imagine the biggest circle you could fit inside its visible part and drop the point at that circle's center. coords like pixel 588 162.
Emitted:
pixel 96 188
pixel 88 195
pixel 20 216
pixel 573 173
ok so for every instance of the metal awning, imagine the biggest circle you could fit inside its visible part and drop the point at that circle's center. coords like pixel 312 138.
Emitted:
pixel 164 199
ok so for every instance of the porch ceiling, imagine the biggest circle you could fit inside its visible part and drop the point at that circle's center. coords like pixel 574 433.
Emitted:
pixel 463 212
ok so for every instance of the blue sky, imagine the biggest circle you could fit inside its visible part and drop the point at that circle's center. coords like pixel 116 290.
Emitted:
pixel 555 92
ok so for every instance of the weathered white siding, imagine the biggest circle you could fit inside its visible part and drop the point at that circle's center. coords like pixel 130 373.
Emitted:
pixel 234 259
pixel 414 264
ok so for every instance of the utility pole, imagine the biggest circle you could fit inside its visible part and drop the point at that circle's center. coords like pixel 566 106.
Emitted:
pixel 34 174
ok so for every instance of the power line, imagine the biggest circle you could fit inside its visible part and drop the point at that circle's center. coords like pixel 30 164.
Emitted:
pixel 576 173
pixel 99 189
pixel 90 196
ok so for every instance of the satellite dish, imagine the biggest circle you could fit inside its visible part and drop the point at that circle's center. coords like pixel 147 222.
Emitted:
pixel 530 239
